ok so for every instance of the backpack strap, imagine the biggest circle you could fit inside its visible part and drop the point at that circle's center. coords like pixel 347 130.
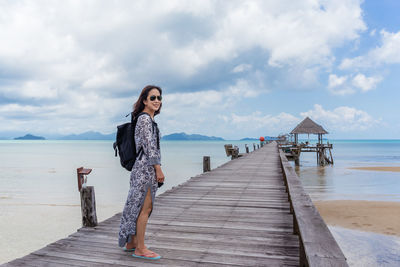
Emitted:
pixel 134 122
pixel 154 126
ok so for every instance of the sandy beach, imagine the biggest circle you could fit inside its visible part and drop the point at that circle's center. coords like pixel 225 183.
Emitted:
pixel 373 216
pixel 378 168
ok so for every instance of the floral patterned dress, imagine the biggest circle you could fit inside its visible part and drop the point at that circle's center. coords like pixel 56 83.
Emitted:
pixel 143 176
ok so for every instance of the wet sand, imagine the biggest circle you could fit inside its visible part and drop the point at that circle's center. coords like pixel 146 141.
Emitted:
pixel 378 168
pixel 372 216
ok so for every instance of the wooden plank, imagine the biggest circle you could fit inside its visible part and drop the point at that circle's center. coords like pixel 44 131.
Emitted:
pixel 235 215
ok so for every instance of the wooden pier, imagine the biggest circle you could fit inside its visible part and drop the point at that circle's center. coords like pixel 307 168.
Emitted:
pixel 251 211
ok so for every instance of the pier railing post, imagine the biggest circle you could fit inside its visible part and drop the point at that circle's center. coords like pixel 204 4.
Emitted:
pixel 88 201
pixel 206 164
pixel 247 149
pixel 88 207
pixel 254 146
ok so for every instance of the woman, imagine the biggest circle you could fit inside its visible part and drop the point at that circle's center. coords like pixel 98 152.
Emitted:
pixel 145 176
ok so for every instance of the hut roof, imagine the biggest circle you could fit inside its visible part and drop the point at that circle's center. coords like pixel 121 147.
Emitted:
pixel 308 126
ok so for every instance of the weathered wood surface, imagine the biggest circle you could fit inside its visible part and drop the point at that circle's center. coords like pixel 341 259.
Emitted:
pixel 235 215
pixel 317 245
pixel 88 206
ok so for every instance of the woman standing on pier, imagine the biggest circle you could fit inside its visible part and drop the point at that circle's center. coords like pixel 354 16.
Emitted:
pixel 145 176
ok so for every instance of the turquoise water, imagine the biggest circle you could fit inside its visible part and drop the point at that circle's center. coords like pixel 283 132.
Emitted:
pixel 341 182
pixel 39 199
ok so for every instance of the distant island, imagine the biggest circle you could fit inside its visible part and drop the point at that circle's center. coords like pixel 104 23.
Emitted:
pixel 30 137
pixel 249 139
pixel 190 137
pixel 89 136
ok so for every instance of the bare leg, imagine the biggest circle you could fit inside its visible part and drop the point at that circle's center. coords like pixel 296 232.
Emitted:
pixel 132 244
pixel 141 224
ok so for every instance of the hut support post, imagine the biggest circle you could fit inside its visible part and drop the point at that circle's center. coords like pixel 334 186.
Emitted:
pixel 321 156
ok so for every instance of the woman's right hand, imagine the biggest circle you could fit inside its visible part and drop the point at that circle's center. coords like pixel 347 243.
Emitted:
pixel 159 174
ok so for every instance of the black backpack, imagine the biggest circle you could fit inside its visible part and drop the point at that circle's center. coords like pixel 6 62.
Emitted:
pixel 125 143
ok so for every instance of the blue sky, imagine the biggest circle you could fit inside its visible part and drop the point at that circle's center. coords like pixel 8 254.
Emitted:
pixel 228 68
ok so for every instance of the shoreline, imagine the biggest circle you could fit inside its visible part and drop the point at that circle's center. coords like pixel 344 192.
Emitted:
pixel 371 216
pixel 378 168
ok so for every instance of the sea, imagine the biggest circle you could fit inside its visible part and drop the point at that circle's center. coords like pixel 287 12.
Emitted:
pixel 40 202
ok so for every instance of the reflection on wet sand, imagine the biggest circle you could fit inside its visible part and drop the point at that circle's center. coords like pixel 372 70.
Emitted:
pixel 367 249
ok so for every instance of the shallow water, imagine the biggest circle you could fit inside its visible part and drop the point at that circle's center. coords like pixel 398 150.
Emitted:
pixel 39 199
pixel 338 181
pixel 367 249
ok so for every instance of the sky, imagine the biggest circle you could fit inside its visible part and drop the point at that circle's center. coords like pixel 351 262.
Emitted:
pixel 231 69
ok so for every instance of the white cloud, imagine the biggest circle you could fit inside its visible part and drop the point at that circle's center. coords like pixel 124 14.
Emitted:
pixel 342 91
pixel 387 53
pixel 344 85
pixel 342 119
pixel 335 81
pixel 338 85
pixel 241 68
pixel 269 124
pixel 366 83
pixel 200 112
pixel 373 32
pixel 76 114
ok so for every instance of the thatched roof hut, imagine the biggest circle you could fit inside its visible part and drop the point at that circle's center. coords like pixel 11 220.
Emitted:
pixel 308 126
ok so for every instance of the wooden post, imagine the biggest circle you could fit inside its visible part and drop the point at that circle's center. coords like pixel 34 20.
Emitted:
pixel 88 207
pixel 88 201
pixel 254 146
pixel 235 152
pixel 247 149
pixel 321 157
pixel 297 160
pixel 206 164
pixel 258 146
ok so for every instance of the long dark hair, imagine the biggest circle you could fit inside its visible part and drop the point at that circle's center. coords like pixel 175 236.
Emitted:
pixel 139 105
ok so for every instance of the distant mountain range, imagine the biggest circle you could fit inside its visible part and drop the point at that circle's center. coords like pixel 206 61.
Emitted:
pixel 249 139
pixel 191 137
pixel 91 135
pixel 29 137
pixel 174 136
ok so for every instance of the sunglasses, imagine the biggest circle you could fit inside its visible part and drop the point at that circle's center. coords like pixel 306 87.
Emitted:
pixel 153 97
